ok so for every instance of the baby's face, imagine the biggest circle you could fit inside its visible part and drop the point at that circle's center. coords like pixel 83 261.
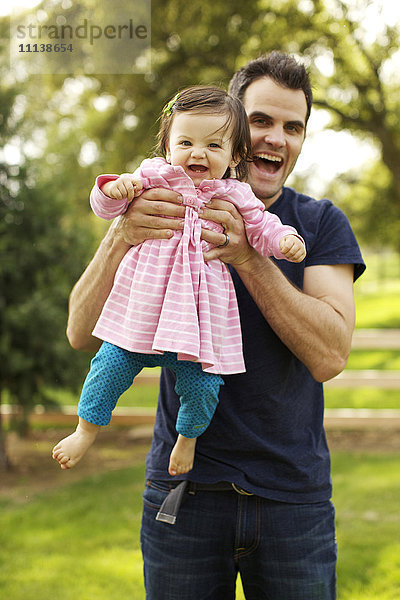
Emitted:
pixel 200 144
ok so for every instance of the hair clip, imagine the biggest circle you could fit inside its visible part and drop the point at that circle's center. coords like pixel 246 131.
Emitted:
pixel 168 109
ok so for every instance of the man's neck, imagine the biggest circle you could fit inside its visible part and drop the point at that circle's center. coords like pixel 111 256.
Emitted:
pixel 268 202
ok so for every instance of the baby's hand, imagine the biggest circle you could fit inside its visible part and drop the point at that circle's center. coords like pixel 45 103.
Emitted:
pixel 126 186
pixel 293 248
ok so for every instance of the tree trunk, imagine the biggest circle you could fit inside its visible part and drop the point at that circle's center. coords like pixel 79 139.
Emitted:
pixel 5 464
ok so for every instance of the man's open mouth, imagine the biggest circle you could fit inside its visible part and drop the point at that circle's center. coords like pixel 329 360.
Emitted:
pixel 197 168
pixel 268 162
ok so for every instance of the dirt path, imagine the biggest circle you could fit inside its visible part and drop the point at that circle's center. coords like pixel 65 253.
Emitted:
pixel 34 471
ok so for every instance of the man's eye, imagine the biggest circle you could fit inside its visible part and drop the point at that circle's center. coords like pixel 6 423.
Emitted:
pixel 292 128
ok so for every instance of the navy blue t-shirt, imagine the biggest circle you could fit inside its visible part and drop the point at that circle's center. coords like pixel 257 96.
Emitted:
pixel 267 434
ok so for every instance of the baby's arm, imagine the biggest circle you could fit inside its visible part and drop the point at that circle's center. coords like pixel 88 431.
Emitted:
pixel 126 186
pixel 71 449
pixel 293 248
pixel 265 231
pixel 112 194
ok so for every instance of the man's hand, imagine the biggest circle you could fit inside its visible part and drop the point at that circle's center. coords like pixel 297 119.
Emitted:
pixel 155 214
pixel 237 251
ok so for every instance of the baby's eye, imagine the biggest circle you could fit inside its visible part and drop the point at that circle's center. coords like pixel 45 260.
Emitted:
pixel 185 143
pixel 214 145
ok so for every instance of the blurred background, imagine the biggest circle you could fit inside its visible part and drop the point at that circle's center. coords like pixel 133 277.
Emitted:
pixel 58 131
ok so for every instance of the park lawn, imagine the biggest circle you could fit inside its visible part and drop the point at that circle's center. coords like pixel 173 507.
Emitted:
pixel 82 541
pixel 367 397
pixel 364 397
pixel 366 493
pixel 374 359
pixel 378 308
pixel 138 395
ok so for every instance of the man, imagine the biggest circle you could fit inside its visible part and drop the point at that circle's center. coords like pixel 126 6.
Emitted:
pixel 259 498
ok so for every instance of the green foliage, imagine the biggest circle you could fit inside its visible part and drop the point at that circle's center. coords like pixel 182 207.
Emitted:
pixel 115 116
pixel 43 248
pixel 42 256
pixel 369 200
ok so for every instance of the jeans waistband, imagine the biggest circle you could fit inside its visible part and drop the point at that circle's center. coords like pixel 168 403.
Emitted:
pixel 170 507
pixel 220 486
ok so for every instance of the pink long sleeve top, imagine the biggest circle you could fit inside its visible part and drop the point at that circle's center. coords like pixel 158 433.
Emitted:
pixel 165 297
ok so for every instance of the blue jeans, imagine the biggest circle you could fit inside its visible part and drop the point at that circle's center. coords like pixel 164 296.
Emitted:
pixel 282 551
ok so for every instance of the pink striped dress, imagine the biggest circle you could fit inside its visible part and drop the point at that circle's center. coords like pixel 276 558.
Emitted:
pixel 165 297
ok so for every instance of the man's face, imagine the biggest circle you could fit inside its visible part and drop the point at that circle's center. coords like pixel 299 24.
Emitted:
pixel 277 127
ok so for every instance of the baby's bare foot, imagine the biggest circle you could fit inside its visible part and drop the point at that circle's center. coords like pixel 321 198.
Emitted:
pixel 71 449
pixel 182 456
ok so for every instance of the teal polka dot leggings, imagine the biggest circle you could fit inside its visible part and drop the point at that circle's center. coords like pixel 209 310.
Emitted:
pixel 113 370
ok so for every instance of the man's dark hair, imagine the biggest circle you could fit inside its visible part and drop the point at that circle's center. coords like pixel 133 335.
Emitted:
pixel 280 67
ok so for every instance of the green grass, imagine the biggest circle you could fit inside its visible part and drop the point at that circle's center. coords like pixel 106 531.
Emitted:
pixel 378 308
pixel 377 296
pixel 362 398
pixel 367 397
pixel 374 359
pixel 140 395
pixel 78 542
pixel 377 291
pixel 366 493
pixel 82 541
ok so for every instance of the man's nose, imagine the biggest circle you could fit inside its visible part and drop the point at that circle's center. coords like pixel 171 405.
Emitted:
pixel 275 136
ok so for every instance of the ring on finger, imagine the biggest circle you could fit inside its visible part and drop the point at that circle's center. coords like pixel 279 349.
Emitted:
pixel 226 241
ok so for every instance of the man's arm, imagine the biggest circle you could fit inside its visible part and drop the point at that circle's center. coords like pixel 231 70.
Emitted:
pixel 316 324
pixel 90 292
pixel 144 219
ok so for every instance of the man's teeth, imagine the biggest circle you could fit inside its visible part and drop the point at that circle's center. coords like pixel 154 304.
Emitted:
pixel 269 157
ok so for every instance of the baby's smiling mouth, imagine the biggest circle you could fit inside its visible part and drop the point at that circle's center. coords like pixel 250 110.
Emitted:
pixel 268 162
pixel 197 168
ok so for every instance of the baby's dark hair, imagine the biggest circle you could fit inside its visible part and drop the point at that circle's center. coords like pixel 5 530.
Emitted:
pixel 215 101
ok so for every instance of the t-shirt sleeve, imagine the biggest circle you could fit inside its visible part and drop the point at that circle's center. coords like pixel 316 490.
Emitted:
pixel 334 242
